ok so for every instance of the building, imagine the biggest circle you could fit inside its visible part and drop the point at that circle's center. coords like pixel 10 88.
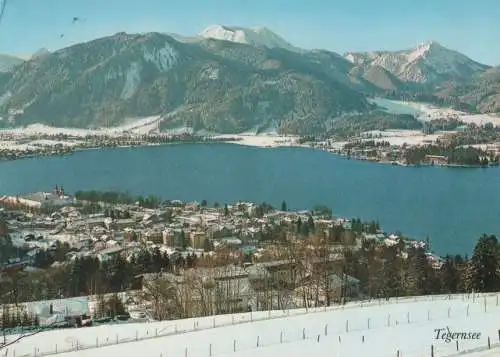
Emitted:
pixel 435 160
pixel 39 200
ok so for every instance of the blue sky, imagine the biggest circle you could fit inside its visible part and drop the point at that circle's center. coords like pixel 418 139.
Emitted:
pixel 471 27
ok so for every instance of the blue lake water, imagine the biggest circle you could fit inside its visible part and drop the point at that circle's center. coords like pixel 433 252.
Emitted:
pixel 452 206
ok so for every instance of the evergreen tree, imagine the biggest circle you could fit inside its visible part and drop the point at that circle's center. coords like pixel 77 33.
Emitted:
pixel 283 206
pixel 391 279
pixel 310 224
pixel 450 276
pixel 418 275
pixel 207 245
pixel 226 210
pixel 485 265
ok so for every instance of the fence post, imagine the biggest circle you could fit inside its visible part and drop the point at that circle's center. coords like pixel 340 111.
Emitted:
pixel 457 344
pixel 234 345
pixel 77 345
pixel 408 316
pixel 34 349
pixel 467 310
pixel 432 350
pixel 346 325
pixel 213 322
pixel 96 342
pixel 281 337
pixel 185 352
pixel 210 350
pixel 368 323
pixel 232 319
pixel 388 320
pixel 116 339
pixel 156 332
pixel 429 315
pixel 489 343
pixel 56 348
pixel 251 316
pixel 136 335
pixel 498 335
pixel 175 327
pixel 485 304
pixel 258 340
pixel 326 331
pixel 397 353
pixel 303 333
pixel 363 338
pixel 449 312
pixel 497 300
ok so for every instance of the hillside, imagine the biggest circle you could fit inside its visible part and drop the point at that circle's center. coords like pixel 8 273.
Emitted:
pixel 398 327
pixel 214 85
pixel 8 62
pixel 482 92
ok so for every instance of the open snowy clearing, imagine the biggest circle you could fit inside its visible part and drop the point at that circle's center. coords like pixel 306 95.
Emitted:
pixel 376 329
pixel 427 112
pixel 261 140
pixel 400 137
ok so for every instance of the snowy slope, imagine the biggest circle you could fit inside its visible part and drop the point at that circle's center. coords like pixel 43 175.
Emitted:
pixel 253 36
pixel 427 62
pixel 376 329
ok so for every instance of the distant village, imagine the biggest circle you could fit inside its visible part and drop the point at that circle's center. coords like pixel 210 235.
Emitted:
pixel 225 258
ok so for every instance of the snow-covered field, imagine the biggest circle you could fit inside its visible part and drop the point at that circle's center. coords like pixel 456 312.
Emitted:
pixel 400 137
pixel 261 140
pixel 376 329
pixel 136 126
pixel 427 112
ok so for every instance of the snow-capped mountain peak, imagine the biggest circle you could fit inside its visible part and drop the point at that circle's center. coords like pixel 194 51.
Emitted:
pixel 426 62
pixel 260 36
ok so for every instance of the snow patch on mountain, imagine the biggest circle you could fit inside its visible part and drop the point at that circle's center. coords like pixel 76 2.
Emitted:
pixel 260 36
pixel 164 58
pixel 132 80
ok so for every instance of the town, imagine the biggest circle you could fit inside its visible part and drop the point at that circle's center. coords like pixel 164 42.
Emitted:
pixel 101 256
pixel 95 257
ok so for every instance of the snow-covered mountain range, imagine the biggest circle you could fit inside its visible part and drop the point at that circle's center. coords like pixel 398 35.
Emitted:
pixel 227 79
pixel 427 62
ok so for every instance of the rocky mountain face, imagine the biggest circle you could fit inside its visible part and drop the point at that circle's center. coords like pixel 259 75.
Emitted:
pixel 224 80
pixel 428 63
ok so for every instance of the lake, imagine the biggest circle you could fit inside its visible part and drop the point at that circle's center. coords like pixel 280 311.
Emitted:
pixel 452 206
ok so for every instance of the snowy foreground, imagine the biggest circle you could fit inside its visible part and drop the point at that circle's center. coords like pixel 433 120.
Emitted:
pixel 369 329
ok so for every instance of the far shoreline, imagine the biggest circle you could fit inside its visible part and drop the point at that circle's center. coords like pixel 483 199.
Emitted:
pixel 249 144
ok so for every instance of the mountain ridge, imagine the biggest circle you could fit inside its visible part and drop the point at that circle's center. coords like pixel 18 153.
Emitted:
pixel 222 81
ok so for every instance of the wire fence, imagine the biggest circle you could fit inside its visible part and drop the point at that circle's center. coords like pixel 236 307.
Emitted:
pixel 313 330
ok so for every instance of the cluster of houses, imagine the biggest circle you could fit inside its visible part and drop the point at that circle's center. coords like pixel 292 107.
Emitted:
pixel 178 228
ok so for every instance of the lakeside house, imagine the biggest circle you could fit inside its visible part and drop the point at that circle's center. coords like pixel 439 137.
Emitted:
pixel 435 160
